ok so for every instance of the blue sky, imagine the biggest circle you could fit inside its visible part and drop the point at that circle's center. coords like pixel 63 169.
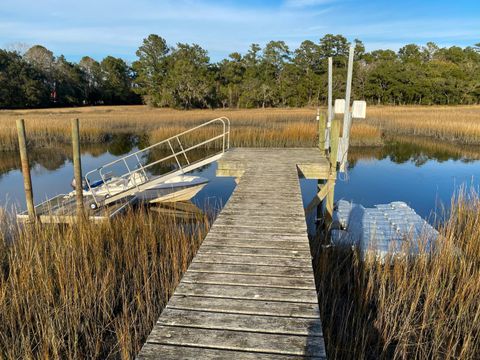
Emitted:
pixel 116 27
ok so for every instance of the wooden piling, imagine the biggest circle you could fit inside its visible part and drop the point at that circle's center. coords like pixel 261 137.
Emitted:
pixel 27 179
pixel 334 140
pixel 347 115
pixel 322 126
pixel 77 167
pixel 330 92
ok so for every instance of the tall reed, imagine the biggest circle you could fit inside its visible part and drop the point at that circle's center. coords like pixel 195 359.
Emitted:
pixel 425 308
pixel 90 290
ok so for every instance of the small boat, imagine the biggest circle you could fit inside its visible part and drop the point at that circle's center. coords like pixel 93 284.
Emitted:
pixel 178 188
pixel 106 195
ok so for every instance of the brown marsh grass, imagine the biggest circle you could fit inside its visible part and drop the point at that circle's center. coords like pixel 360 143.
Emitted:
pixel 459 124
pixel 91 290
pixel 256 127
pixel 250 127
pixel 422 308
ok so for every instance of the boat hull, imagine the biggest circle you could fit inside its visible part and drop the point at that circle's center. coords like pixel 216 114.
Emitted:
pixel 181 188
pixel 184 194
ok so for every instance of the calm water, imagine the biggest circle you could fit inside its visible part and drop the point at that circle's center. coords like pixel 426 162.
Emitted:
pixel 422 177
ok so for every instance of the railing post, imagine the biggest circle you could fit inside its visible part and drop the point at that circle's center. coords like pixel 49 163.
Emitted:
pixel 175 156
pixel 27 179
pixel 183 150
pixel 77 167
pixel 223 137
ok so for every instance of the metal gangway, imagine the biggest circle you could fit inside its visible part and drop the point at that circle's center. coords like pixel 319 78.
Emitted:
pixel 137 178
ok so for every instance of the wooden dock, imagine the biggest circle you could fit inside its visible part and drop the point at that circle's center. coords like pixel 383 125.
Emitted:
pixel 249 292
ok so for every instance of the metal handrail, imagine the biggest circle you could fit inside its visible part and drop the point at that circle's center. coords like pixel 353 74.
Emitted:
pixel 225 136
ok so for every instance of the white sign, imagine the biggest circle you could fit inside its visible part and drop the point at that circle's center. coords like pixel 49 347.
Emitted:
pixel 339 107
pixel 359 109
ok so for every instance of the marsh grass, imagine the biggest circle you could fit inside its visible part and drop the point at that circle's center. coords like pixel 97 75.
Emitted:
pixel 460 124
pixel 258 128
pixel 422 308
pixel 250 127
pixel 90 290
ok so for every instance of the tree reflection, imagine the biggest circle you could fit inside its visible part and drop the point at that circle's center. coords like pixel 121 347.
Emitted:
pixel 416 150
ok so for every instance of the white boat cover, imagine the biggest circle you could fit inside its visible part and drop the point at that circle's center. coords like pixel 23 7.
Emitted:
pixel 392 229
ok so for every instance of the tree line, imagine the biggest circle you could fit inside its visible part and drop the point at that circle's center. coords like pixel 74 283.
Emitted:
pixel 183 76
pixel 39 79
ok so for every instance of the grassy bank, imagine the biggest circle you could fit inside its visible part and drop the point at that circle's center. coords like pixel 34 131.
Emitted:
pixel 425 308
pixel 93 291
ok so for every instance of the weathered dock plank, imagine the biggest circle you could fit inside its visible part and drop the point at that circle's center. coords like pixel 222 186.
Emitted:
pixel 243 269
pixel 247 341
pixel 265 244
pixel 240 322
pixel 254 260
pixel 248 280
pixel 173 352
pixel 242 306
pixel 249 292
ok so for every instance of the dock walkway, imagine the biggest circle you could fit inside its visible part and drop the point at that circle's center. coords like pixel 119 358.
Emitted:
pixel 249 292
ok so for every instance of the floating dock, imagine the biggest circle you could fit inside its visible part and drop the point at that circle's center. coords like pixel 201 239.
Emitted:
pixel 249 292
pixel 393 229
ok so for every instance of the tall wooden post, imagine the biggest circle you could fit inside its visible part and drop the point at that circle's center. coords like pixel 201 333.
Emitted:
pixel 77 167
pixel 322 126
pixel 347 115
pixel 330 102
pixel 27 179
pixel 334 139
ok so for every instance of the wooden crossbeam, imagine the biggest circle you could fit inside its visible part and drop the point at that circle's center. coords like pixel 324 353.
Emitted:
pixel 325 189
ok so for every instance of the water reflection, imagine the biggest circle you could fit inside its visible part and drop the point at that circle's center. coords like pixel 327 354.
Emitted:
pixel 416 150
pixel 122 144
pixel 421 172
pixel 399 150
pixel 54 158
